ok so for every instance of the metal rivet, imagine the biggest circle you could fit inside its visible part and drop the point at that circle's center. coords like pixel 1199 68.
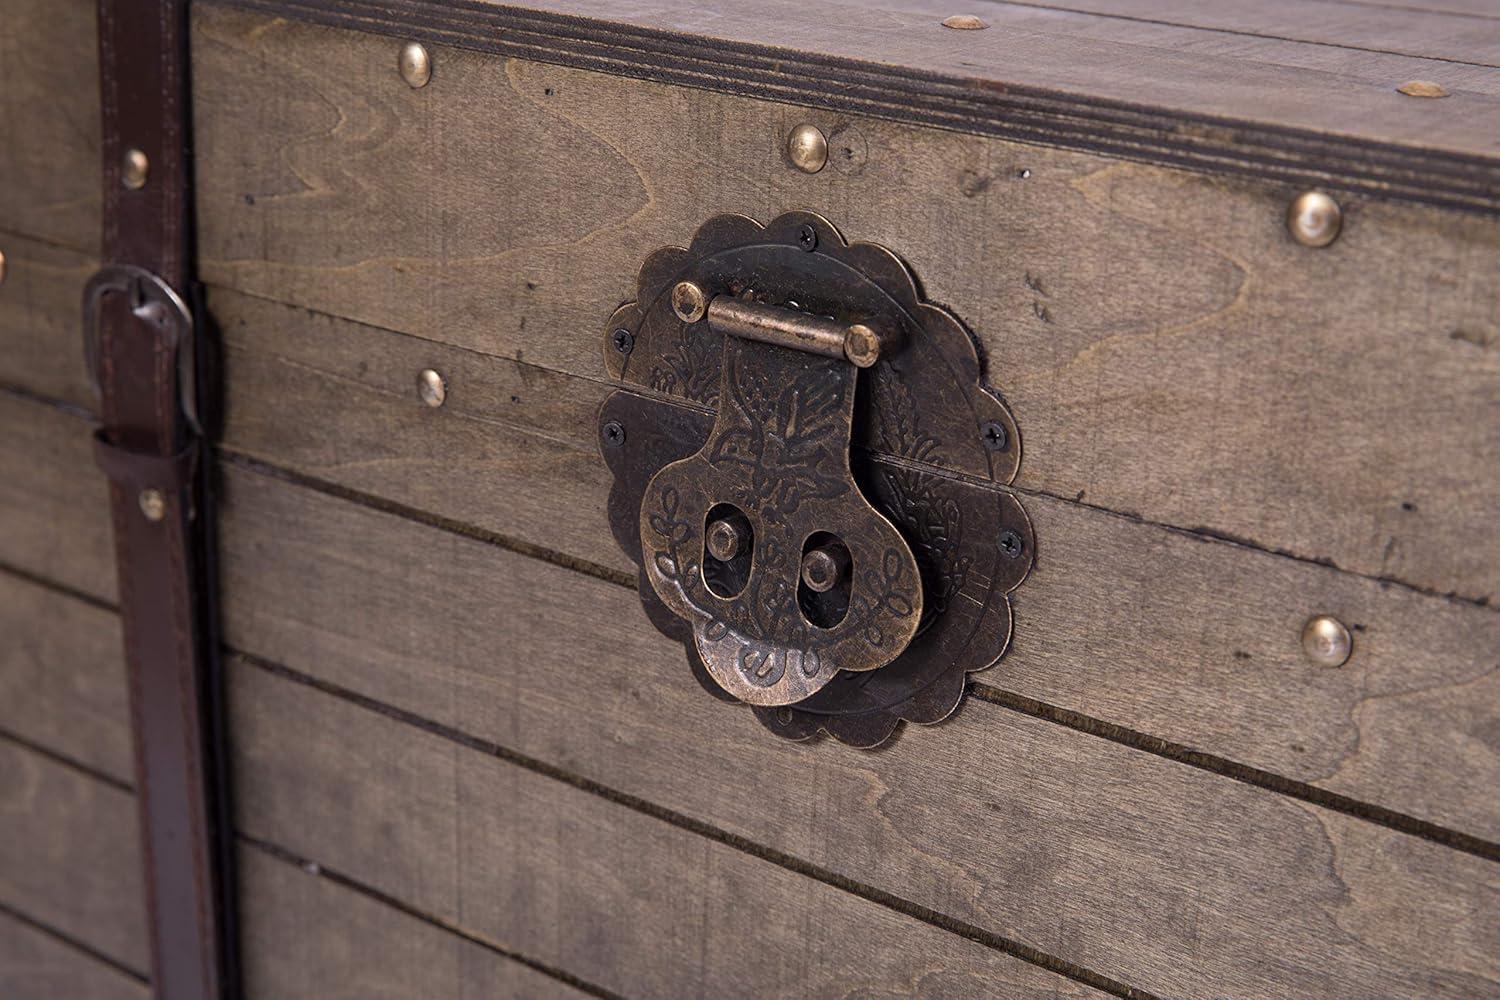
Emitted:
pixel 1314 219
pixel 614 434
pixel 2 267
pixel 1011 543
pixel 432 388
pixel 623 340
pixel 994 435
pixel 807 238
pixel 415 64
pixel 823 567
pixel 807 148
pixel 1326 641
pixel 689 302
pixel 964 22
pixel 133 169
pixel 1422 88
pixel 153 504
pixel 724 540
pixel 862 345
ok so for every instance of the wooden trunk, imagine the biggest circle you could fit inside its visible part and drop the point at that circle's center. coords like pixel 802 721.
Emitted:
pixel 465 763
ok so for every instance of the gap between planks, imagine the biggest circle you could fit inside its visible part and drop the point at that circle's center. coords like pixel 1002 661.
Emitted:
pixel 1177 753
pixel 682 821
pixel 68 941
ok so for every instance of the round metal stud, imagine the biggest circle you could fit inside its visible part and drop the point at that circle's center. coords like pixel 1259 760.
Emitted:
pixel 822 568
pixel 964 22
pixel 432 388
pixel 134 168
pixel 807 148
pixel 415 64
pixel 2 267
pixel 724 540
pixel 1326 641
pixel 862 345
pixel 689 302
pixel 1422 88
pixel 153 504
pixel 1314 219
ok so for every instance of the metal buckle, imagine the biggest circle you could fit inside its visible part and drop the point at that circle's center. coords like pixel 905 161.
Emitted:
pixel 152 301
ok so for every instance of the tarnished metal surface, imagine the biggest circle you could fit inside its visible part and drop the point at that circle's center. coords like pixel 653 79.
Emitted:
pixel 920 540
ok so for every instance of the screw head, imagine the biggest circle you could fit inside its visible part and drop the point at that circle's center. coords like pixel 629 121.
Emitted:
pixel 822 569
pixel 133 169
pixel 623 340
pixel 431 387
pixel 1326 641
pixel 1314 219
pixel 807 148
pixel 614 434
pixel 689 302
pixel 1011 543
pixel 415 65
pixel 994 435
pixel 724 540
pixel 807 238
pixel 153 504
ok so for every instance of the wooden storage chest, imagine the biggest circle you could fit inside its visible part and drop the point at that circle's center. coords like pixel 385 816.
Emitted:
pixel 463 762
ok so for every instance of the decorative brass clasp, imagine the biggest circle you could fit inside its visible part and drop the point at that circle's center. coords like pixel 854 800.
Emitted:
pixel 811 478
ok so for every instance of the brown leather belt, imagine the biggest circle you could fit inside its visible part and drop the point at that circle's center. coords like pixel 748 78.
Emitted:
pixel 143 353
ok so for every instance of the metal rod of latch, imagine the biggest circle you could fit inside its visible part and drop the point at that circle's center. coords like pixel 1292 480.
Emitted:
pixel 861 344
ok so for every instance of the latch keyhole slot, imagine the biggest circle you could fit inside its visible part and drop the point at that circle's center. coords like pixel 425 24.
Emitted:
pixel 728 550
pixel 824 582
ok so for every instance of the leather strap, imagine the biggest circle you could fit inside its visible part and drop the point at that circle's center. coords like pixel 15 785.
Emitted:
pixel 143 350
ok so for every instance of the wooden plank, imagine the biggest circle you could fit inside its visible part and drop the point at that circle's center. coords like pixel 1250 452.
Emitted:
pixel 1167 349
pixel 1123 621
pixel 62 677
pixel 34 965
pixel 41 326
pixel 305 936
pixel 1153 873
pixel 623 900
pixel 49 115
pixel 56 521
pixel 69 856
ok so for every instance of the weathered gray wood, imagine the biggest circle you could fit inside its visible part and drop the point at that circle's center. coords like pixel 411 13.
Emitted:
pixel 623 900
pixel 49 115
pixel 304 936
pixel 1167 349
pixel 56 521
pixel 62 676
pixel 35 966
pixel 68 854
pixel 1160 875
pixel 41 339
pixel 1186 640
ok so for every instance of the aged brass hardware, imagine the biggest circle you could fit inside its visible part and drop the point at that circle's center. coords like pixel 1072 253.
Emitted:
pixel 133 169
pixel 812 478
pixel 1422 88
pixel 1326 641
pixel 1314 219
pixel 415 65
pixel 2 267
pixel 153 504
pixel 964 22
pixel 807 148
pixel 431 387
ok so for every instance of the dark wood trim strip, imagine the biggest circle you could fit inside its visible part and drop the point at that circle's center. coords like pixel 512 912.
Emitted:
pixel 1197 142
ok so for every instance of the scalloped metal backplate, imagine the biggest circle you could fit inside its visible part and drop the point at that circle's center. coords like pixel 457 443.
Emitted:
pixel 932 450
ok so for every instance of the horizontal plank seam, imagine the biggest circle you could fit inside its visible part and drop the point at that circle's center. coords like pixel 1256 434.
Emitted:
pixel 58 757
pixel 701 828
pixel 1444 11
pixel 22 394
pixel 51 242
pixel 69 941
pixel 317 869
pixel 1196 141
pixel 1177 752
pixel 61 589
pixel 1241 32
pixel 1369 812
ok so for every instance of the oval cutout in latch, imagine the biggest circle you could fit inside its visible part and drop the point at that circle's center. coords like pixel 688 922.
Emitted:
pixel 812 478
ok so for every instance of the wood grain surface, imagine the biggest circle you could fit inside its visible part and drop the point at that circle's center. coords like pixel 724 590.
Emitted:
pixel 1186 639
pixel 1168 351
pixel 306 936
pixel 49 116
pixel 41 322
pixel 69 856
pixel 1160 875
pixel 35 966
pixel 62 676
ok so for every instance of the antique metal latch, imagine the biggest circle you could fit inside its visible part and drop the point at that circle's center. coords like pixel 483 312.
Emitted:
pixel 810 474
